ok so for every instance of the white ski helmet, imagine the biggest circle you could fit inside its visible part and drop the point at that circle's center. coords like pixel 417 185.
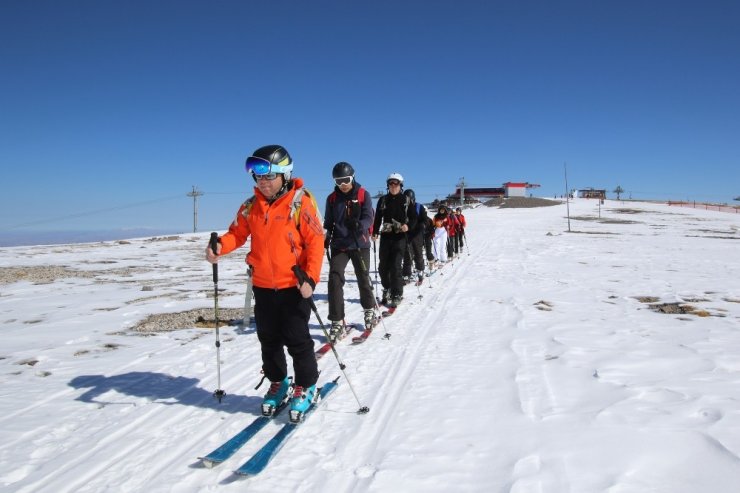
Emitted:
pixel 395 176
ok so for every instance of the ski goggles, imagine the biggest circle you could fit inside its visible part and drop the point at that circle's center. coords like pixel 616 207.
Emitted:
pixel 393 182
pixel 259 166
pixel 343 180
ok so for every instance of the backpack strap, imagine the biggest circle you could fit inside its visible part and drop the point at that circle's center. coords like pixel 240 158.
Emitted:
pixel 295 205
pixel 360 196
pixel 248 206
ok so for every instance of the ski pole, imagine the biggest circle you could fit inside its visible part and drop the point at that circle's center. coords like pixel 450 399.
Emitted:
pixel 219 393
pixel 248 299
pixel 377 305
pixel 303 277
pixel 328 257
pixel 375 257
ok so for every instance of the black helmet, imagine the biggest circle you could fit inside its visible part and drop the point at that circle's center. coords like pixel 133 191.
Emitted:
pixel 342 169
pixel 277 156
pixel 410 194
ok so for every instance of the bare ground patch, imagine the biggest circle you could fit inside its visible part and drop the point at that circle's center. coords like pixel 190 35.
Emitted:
pixel 678 308
pixel 543 305
pixel 40 274
pixel 603 220
pixel 199 317
pixel 521 202
pixel 46 274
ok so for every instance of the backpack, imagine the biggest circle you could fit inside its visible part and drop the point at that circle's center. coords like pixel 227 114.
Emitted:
pixel 360 200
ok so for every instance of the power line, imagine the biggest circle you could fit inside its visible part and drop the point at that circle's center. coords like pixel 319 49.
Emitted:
pixel 93 212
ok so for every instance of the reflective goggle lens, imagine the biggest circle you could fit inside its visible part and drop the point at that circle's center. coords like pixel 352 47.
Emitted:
pixel 393 182
pixel 258 165
pixel 343 180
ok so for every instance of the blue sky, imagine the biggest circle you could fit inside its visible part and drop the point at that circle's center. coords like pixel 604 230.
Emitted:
pixel 112 111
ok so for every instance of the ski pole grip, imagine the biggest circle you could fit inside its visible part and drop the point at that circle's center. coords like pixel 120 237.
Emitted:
pixel 214 247
pixel 302 276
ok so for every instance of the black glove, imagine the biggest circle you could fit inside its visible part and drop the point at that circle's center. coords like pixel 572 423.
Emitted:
pixel 327 242
pixel 353 224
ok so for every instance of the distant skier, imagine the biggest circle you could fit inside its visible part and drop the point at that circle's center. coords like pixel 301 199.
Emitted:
pixel 453 245
pixel 415 250
pixel 440 240
pixel 462 225
pixel 393 219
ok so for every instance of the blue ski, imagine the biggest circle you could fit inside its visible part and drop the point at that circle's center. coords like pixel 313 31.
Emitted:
pixel 259 461
pixel 237 441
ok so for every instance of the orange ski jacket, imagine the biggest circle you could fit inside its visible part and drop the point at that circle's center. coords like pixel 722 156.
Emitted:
pixel 279 240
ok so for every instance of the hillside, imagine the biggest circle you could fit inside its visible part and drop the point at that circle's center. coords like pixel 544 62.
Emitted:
pixel 539 360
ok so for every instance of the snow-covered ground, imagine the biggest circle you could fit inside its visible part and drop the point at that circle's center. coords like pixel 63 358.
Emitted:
pixel 532 363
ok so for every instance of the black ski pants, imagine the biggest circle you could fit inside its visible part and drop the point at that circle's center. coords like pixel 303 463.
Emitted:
pixel 337 265
pixel 428 246
pixel 414 254
pixel 390 262
pixel 282 317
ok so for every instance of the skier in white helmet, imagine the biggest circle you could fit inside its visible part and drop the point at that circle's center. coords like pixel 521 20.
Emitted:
pixel 394 217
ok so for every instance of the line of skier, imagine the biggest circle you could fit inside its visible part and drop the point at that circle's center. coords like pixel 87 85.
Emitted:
pixel 405 231
pixel 287 250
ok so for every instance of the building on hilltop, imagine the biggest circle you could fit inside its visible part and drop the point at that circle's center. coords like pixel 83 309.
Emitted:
pixel 591 193
pixel 518 189
pixel 484 194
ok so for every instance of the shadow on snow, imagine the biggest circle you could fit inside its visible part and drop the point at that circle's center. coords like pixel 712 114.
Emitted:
pixel 161 389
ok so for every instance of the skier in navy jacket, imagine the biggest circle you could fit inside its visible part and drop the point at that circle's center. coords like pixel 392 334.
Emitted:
pixel 348 219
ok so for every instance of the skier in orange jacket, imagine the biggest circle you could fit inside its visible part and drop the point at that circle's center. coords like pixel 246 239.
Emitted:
pixel 286 229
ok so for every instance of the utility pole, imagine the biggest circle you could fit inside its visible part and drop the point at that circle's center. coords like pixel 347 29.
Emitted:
pixel 195 194
pixel 461 184
pixel 567 193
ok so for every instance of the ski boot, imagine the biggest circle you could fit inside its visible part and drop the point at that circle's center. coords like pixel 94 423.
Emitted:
pixel 336 331
pixel 395 301
pixel 420 278
pixel 276 396
pixel 384 299
pixel 369 318
pixel 301 401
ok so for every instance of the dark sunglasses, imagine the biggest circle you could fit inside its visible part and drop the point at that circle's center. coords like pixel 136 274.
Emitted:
pixel 266 176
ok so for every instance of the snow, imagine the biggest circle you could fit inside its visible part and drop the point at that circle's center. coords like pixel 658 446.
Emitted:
pixel 529 365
